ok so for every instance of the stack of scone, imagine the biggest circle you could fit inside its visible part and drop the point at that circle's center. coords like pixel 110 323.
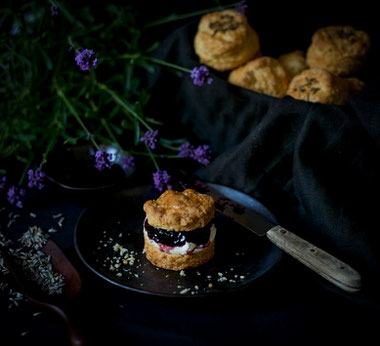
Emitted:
pixel 226 42
pixel 179 232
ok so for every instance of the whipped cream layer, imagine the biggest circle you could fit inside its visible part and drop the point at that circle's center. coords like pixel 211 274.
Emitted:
pixel 187 248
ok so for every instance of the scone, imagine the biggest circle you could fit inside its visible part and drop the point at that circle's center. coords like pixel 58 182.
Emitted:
pixel 318 85
pixel 339 49
pixel 225 40
pixel 264 75
pixel 179 232
pixel 294 62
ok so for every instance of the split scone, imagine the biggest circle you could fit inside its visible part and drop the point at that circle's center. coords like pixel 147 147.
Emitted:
pixel 225 40
pixel 179 232
pixel 341 50
pixel 265 75
pixel 318 85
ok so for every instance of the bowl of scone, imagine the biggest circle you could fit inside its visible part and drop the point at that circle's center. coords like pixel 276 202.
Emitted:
pixel 226 42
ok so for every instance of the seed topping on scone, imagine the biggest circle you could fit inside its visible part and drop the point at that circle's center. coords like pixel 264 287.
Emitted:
pixel 226 22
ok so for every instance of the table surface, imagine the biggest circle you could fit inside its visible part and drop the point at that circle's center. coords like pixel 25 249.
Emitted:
pixel 288 305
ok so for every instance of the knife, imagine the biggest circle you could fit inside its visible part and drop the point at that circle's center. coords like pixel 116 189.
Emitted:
pixel 323 263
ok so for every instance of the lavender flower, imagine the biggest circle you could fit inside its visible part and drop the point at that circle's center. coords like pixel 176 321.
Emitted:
pixel 161 180
pixel 3 181
pixel 200 75
pixel 103 160
pixel 36 178
pixel 15 196
pixel 150 139
pixel 201 154
pixel 85 59
pixel 186 150
pixel 241 6
pixel 127 161
pixel 54 10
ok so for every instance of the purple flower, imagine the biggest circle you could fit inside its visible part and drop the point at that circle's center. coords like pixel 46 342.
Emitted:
pixel 186 150
pixel 241 6
pixel 3 181
pixel 161 180
pixel 200 75
pixel 54 10
pixel 202 153
pixel 36 178
pixel 150 139
pixel 128 161
pixel 103 160
pixel 85 59
pixel 15 195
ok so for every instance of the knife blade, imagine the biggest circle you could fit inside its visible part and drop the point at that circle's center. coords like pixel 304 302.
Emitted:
pixel 329 267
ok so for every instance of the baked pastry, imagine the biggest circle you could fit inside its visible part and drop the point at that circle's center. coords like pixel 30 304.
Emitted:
pixel 264 75
pixel 318 85
pixel 179 232
pixel 225 40
pixel 294 62
pixel 338 49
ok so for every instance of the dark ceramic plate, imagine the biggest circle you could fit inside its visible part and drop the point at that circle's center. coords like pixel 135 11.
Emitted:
pixel 109 240
pixel 73 168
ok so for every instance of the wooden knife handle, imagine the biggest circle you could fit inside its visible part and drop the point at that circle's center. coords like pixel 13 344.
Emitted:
pixel 329 267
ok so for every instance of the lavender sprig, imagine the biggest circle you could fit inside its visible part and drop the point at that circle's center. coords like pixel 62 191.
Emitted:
pixel 3 181
pixel 150 139
pixel 103 160
pixel 16 195
pixel 54 10
pixel 161 180
pixel 200 75
pixel 127 161
pixel 241 6
pixel 36 178
pixel 201 154
pixel 85 59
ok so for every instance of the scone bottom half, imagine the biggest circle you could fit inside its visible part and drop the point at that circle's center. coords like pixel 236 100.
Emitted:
pixel 186 238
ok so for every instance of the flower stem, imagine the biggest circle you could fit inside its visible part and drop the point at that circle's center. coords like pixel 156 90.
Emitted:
pixel 26 167
pixel 167 64
pixel 45 154
pixel 164 156
pixel 175 17
pixel 154 60
pixel 73 111
pixel 108 130
pixel 123 104
pixel 152 158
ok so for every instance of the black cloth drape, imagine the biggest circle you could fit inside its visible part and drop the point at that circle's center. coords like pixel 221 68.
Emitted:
pixel 314 166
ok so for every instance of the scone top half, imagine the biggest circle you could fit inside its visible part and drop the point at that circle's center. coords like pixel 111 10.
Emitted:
pixel 180 211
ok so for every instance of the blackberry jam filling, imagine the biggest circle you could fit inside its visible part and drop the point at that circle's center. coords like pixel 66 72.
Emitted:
pixel 199 236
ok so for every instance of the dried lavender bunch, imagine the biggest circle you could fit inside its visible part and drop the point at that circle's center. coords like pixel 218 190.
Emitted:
pixel 38 268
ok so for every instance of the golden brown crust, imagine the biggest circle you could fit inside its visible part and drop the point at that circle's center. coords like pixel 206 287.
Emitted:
pixel 225 40
pixel 318 85
pixel 338 49
pixel 174 261
pixel 180 211
pixel 264 75
pixel 294 62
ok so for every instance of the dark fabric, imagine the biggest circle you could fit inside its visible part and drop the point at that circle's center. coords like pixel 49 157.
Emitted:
pixel 314 166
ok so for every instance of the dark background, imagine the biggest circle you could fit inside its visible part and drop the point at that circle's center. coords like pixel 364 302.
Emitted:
pixel 291 305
